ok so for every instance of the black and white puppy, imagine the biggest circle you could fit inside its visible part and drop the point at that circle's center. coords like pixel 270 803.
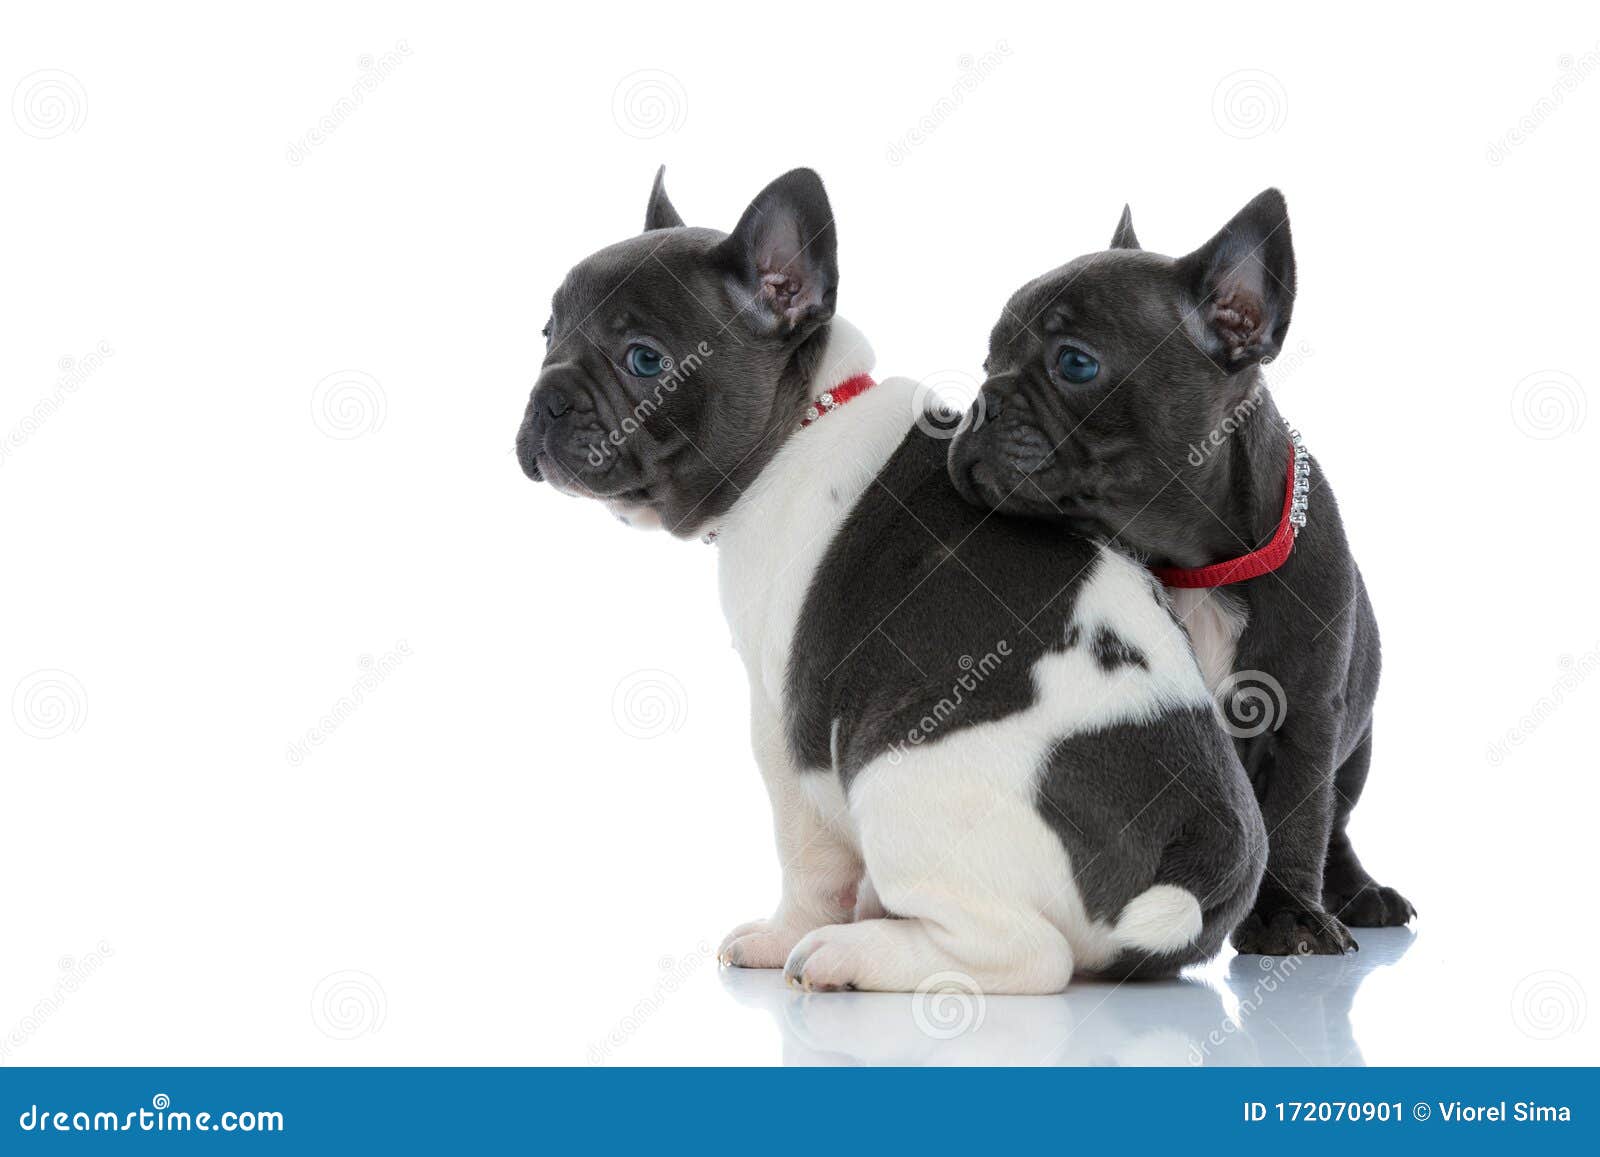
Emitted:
pixel 1124 401
pixel 989 751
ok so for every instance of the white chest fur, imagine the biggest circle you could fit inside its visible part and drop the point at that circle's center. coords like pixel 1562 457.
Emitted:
pixel 773 539
pixel 1214 621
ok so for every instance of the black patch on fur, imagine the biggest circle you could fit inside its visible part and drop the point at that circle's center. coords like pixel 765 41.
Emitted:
pixel 1147 805
pixel 1113 652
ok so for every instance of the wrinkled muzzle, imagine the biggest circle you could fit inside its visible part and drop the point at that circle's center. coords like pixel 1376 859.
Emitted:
pixel 568 437
pixel 997 451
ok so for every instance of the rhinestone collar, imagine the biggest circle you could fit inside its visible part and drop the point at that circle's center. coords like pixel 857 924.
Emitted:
pixel 1296 500
pixel 830 400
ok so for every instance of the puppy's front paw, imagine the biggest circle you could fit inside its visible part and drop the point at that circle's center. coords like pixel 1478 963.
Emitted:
pixel 1293 931
pixel 827 960
pixel 1373 907
pixel 758 944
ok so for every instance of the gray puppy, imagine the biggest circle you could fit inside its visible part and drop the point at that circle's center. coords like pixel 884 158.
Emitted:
pixel 1124 400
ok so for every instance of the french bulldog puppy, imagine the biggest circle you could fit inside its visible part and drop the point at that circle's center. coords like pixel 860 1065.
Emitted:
pixel 989 749
pixel 1124 401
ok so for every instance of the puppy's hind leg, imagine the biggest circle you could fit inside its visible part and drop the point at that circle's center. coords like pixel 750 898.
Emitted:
pixel 1347 890
pixel 972 878
pixel 1006 952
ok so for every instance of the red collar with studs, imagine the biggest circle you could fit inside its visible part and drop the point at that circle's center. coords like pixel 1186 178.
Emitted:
pixel 827 402
pixel 830 400
pixel 1269 557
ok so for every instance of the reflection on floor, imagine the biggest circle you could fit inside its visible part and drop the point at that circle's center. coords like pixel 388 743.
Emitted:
pixel 1257 1010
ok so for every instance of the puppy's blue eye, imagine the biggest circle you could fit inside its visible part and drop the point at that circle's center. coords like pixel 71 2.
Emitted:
pixel 1076 366
pixel 643 362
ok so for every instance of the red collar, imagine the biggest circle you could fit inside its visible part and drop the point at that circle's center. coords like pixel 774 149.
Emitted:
pixel 1269 557
pixel 830 400
pixel 827 402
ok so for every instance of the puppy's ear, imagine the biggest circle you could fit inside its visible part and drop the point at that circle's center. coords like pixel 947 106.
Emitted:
pixel 660 214
pixel 782 256
pixel 1124 237
pixel 1243 285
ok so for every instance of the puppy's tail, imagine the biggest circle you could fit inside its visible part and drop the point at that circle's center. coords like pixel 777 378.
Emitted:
pixel 1164 918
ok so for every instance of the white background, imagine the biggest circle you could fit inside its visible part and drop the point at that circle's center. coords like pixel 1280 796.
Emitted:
pixel 517 859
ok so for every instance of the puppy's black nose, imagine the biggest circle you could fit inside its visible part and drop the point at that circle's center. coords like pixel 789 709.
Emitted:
pixel 556 403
